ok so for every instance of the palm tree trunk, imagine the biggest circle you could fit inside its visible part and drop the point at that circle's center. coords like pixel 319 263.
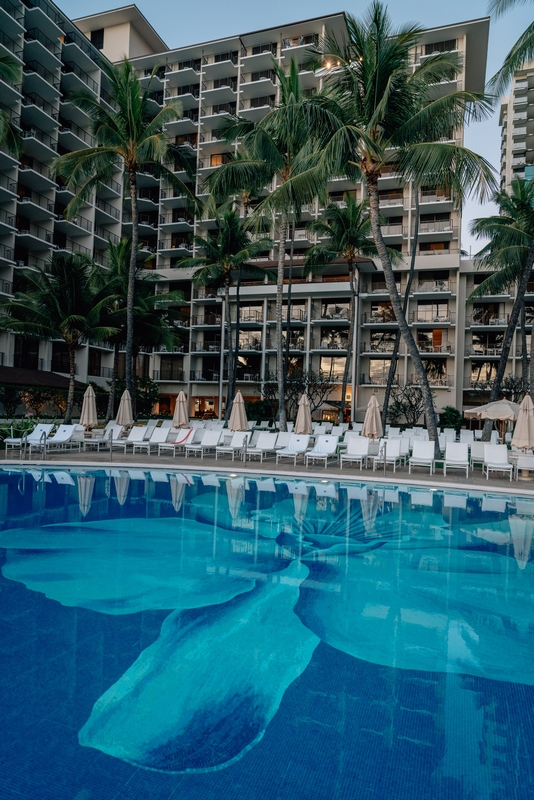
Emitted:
pixel 531 365
pixel 280 371
pixel 131 284
pixel 352 322
pixel 394 355
pixel 413 352
pixel 230 360
pixel 72 378
pixel 232 380
pixel 524 355
pixel 508 336
pixel 133 393
pixel 113 383
pixel 289 283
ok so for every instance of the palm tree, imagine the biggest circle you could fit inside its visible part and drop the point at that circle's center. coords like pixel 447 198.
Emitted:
pixel 154 316
pixel 9 135
pixel 228 250
pixel 509 256
pixel 59 302
pixel 281 149
pixel 348 235
pixel 385 117
pixel 134 136
pixel 523 49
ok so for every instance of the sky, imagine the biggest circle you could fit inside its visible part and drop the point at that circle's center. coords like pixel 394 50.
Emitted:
pixel 179 24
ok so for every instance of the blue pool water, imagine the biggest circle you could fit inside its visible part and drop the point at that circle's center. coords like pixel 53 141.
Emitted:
pixel 197 636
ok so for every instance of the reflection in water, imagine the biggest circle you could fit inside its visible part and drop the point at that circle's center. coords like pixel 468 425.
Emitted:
pixel 413 588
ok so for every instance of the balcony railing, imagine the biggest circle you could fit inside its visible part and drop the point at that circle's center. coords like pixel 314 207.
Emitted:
pixel 71 67
pixel 107 208
pixel 169 374
pixel 424 347
pixel 105 234
pixel 25 227
pixel 249 315
pixel 100 372
pixel 11 45
pixel 49 77
pixel 488 319
pixel 484 351
pixel 438 226
pixel 294 344
pixel 377 287
pixel 206 319
pixel 439 318
pixel 207 375
pixel 6 287
pixel 434 380
pixel 40 136
pixel 327 344
pixel 434 286
pixel 6 252
pixel 71 127
pixel 78 220
pixel 379 319
pixel 13 10
pixel 34 99
pixel 377 347
pixel 378 380
pixel 36 35
pixel 206 346
pixel 175 244
pixel 73 247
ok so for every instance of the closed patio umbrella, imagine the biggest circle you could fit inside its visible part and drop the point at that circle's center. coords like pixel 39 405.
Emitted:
pixel 177 492
pixel 372 424
pixel 521 530
pixel 86 485
pixel 181 417
pixel 303 423
pixel 88 417
pixel 524 429
pixel 238 417
pixel 235 492
pixel 122 484
pixel 502 410
pixel 124 414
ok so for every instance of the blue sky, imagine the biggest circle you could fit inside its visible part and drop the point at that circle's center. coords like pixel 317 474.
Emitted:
pixel 180 24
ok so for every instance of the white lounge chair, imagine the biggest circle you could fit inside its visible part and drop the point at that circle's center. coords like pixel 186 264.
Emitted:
pixel 35 436
pixel 476 453
pixel 237 446
pixel 180 439
pixel 325 447
pixel 101 433
pixel 422 456
pixel 264 447
pixel 137 434
pixel 456 457
pixel 298 444
pixel 159 436
pixel 393 432
pixel 283 439
pixel 357 451
pixel 208 443
pixel 525 463
pixel 61 440
pixel 388 452
pixel 467 436
pixel 496 460
pixel 114 431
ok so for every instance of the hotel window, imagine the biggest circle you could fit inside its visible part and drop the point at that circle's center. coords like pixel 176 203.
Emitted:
pixel 97 38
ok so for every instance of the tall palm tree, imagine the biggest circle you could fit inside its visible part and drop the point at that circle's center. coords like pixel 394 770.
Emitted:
pixel 386 117
pixel 9 134
pixel 281 150
pixel 154 314
pixel 522 50
pixel 348 235
pixel 229 249
pixel 134 136
pixel 509 256
pixel 59 302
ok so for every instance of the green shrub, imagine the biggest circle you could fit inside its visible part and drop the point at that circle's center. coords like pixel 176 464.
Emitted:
pixel 450 417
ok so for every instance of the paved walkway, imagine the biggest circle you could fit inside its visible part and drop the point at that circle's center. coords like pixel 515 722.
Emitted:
pixel 333 472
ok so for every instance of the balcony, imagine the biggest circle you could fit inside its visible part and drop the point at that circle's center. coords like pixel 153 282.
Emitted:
pixel 107 209
pixel 46 47
pixel 34 236
pixel 482 351
pixel 73 137
pixel 297 343
pixel 303 40
pixel 6 253
pixel 378 380
pixel 206 319
pixel 434 287
pixel 39 138
pixel 434 349
pixel 328 344
pixel 76 222
pixel 432 318
pixel 246 345
pixel 6 287
pixel 377 347
pixel 439 381
pixel 7 220
pixel 488 320
pixel 106 235
pixel 438 226
pixel 169 374
pixel 379 319
pixel 68 246
pixel 192 89
pixel 206 346
pixel 175 246
pixel 51 80
pixel 209 375
pixel 70 68
pixel 377 287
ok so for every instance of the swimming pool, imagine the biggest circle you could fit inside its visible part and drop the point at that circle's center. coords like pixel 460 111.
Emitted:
pixel 200 635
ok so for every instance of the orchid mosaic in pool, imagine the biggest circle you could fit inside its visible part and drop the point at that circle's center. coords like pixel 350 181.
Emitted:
pixel 201 636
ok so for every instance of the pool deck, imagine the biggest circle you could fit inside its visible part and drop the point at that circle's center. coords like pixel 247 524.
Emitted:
pixel 420 477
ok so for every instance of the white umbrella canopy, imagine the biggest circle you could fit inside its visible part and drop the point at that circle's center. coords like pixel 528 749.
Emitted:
pixel 235 492
pixel 524 430
pixel 499 409
pixel 521 530
pixel 125 414
pixel 181 417
pixel 88 417
pixel 238 417
pixel 303 423
pixel 372 424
